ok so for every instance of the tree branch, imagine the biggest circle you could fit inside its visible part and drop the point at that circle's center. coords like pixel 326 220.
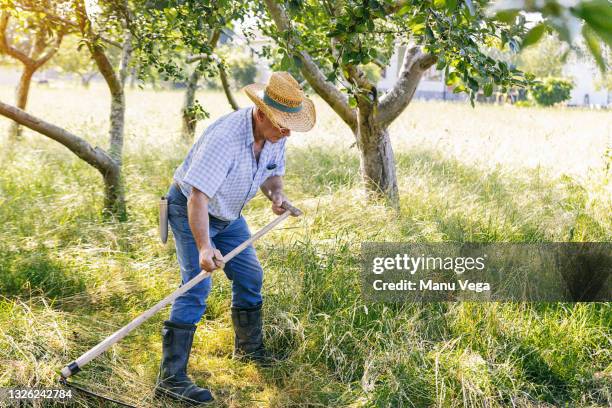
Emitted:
pixel 126 49
pixel 95 156
pixel 214 39
pixel 42 60
pixel 69 25
pixel 199 57
pixel 126 53
pixel 226 88
pixel 328 91
pixel 414 65
pixel 97 51
pixel 111 42
pixel 359 78
pixel 223 74
pixel 5 47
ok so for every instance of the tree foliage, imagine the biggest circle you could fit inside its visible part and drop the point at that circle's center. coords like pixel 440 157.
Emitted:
pixel 332 43
pixel 31 32
pixel 356 32
pixel 168 31
pixel 76 60
pixel 551 91
pixel 175 39
pixel 589 19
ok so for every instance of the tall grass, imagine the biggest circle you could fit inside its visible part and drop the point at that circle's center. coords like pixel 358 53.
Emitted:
pixel 68 277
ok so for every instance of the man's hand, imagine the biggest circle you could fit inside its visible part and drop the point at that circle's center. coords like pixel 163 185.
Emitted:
pixel 210 258
pixel 277 201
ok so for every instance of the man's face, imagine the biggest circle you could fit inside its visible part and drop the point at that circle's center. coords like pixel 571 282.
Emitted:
pixel 271 132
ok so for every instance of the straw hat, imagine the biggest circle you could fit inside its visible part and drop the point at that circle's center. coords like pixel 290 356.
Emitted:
pixel 283 102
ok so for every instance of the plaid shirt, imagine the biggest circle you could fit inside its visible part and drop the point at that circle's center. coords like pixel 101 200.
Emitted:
pixel 222 165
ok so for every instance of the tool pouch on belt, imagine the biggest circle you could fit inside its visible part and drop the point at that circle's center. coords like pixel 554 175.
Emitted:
pixel 163 219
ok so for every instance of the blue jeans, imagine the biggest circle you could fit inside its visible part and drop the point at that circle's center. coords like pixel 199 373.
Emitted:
pixel 244 270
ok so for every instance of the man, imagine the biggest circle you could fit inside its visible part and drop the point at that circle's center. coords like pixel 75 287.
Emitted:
pixel 237 154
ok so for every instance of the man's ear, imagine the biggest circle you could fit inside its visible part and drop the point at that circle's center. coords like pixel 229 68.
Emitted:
pixel 261 116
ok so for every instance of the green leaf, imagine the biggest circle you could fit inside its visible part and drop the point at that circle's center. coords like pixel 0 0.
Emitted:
pixel 334 33
pixel 488 89
pixel 473 84
pixel 352 102
pixel 534 35
pixel 452 78
pixel 593 43
pixel 285 63
pixel 429 33
pixel 507 16
pixel 297 61
pixel 416 27
pixel 404 10
pixel 597 14
pixel 346 58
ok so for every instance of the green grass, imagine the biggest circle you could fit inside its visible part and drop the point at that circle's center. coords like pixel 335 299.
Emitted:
pixel 68 278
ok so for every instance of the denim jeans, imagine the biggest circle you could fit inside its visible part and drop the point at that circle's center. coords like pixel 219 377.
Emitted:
pixel 244 270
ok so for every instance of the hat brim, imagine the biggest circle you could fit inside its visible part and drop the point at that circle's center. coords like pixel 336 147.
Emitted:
pixel 301 121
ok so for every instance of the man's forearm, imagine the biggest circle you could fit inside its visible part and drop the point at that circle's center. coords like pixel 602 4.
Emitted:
pixel 197 210
pixel 272 186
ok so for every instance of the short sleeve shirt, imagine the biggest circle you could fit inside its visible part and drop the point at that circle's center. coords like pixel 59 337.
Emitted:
pixel 222 164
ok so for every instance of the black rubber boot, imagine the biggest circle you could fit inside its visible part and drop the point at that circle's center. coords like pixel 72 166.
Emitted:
pixel 172 380
pixel 248 342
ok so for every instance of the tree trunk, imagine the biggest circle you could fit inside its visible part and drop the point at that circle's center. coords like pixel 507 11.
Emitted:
pixel 114 202
pixel 377 161
pixel 21 99
pixel 115 190
pixel 114 193
pixel 117 121
pixel 133 77
pixel 189 119
pixel 115 82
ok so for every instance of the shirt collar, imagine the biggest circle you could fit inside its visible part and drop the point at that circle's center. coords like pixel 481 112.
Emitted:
pixel 250 138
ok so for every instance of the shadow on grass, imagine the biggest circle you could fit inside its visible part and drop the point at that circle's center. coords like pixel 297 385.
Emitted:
pixel 31 273
pixel 551 386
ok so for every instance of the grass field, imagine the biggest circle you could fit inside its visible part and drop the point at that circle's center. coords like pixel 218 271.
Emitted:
pixel 68 278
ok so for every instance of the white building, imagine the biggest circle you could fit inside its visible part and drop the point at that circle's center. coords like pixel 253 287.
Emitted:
pixel 585 92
